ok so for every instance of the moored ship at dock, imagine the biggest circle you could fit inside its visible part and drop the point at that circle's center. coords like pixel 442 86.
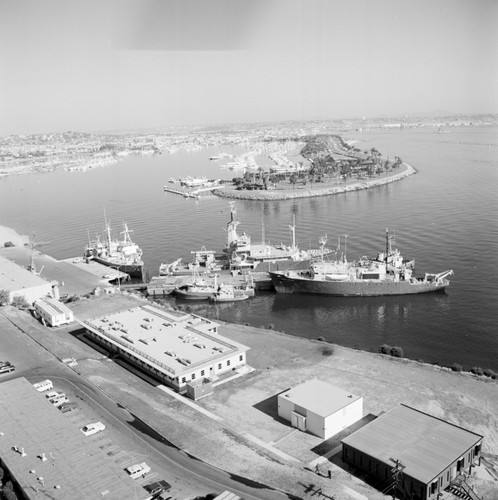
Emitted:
pixel 245 255
pixel 121 254
pixel 387 274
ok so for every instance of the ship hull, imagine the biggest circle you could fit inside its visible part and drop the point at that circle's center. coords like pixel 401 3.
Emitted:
pixel 360 288
pixel 133 270
pixel 193 295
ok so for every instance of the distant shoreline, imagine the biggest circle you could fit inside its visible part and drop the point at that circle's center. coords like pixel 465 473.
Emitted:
pixel 319 189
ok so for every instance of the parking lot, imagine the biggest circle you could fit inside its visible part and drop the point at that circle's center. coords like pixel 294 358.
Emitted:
pixel 120 442
pixel 111 440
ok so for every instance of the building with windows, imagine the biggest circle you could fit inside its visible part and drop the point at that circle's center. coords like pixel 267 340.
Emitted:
pixel 416 453
pixel 53 312
pixel 320 408
pixel 176 348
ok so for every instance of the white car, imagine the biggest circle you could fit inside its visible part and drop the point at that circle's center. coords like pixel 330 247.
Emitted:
pixel 137 470
pixel 57 401
pixel 94 428
pixel 51 394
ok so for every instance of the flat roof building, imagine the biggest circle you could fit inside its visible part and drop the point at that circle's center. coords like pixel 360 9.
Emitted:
pixel 425 452
pixel 48 457
pixel 18 281
pixel 320 408
pixel 53 312
pixel 176 348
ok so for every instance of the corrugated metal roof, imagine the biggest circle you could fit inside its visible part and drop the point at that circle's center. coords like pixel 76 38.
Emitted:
pixel 424 444
pixel 319 397
pixel 75 467
pixel 14 277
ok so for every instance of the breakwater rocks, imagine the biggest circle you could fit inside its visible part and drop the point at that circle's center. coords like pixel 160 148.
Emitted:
pixel 307 192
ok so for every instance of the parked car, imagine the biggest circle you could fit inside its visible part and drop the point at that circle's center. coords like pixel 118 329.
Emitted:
pixel 66 407
pixel 93 428
pixel 51 394
pixel 157 487
pixel 59 400
pixel 7 369
pixel 137 470
pixel 5 363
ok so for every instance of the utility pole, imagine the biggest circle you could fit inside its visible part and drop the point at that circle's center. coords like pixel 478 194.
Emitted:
pixel 397 470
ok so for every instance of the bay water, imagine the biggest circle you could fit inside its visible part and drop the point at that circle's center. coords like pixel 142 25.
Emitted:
pixel 445 217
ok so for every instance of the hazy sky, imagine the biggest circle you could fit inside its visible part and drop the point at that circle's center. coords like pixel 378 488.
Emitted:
pixel 86 65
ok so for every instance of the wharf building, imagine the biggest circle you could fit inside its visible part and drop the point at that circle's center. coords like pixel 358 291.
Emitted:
pixel 178 349
pixel 413 454
pixel 45 455
pixel 20 282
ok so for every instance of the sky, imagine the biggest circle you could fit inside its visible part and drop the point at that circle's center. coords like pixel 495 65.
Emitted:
pixel 98 65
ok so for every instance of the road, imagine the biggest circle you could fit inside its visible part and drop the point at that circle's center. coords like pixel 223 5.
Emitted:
pixel 134 438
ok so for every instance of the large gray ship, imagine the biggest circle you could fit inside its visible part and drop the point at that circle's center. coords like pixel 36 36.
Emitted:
pixel 387 274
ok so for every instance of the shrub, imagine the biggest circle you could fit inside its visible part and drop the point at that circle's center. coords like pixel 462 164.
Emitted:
pixel 476 370
pixel 8 244
pixel 271 326
pixel 456 367
pixel 396 352
pixel 385 349
pixel 488 372
pixel 4 298
pixel 20 302
pixel 328 351
pixel 321 339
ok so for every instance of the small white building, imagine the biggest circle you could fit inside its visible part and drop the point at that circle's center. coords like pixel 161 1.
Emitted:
pixel 319 408
pixel 52 312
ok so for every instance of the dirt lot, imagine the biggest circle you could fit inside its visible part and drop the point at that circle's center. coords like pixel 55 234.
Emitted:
pixel 238 430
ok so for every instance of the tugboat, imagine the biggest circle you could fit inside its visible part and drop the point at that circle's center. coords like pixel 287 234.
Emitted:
pixel 387 274
pixel 121 254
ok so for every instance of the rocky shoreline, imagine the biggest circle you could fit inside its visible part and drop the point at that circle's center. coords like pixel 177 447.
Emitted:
pixel 323 189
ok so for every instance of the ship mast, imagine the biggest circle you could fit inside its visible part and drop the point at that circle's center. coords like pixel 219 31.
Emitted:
pixel 387 246
pixel 107 230
pixel 293 231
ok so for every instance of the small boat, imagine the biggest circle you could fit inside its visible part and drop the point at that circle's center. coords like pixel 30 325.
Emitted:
pixel 197 290
pixel 228 293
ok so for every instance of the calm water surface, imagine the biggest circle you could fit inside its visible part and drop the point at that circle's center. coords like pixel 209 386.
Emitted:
pixel 444 217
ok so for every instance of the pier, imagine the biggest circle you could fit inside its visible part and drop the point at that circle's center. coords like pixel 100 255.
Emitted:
pixel 191 194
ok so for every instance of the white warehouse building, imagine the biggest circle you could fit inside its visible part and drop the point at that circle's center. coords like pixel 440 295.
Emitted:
pixel 177 348
pixel 19 282
pixel 319 408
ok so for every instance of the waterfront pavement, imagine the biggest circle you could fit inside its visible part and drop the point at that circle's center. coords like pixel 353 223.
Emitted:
pixel 237 428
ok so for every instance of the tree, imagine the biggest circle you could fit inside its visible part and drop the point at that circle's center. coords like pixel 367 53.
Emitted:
pixel 4 298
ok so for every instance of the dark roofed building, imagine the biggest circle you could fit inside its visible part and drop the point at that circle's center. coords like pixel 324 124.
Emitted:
pixel 425 452
pixel 48 457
